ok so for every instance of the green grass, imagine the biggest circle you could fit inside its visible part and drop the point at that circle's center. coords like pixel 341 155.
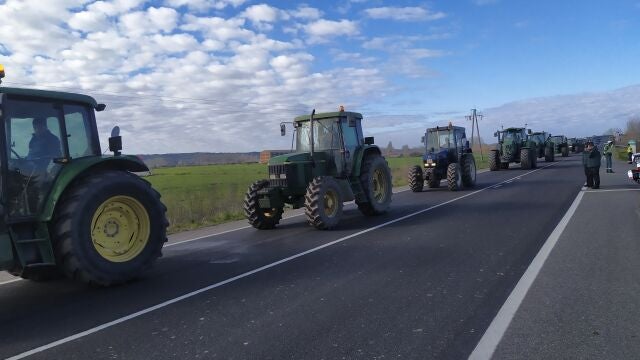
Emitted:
pixel 199 196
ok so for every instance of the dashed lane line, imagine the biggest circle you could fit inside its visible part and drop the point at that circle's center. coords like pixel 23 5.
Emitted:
pixel 238 277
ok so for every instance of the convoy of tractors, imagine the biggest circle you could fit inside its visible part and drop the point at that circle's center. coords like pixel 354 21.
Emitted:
pixel 78 213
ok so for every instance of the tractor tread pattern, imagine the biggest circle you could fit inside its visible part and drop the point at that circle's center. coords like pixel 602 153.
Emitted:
pixel 252 210
pixel 313 200
pixel 416 179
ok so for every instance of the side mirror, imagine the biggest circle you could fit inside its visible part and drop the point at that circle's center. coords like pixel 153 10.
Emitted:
pixel 368 140
pixel 115 141
pixel 100 107
pixel 283 129
pixel 422 139
pixel 529 131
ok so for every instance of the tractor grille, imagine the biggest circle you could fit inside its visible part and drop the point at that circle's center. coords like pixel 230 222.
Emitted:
pixel 278 175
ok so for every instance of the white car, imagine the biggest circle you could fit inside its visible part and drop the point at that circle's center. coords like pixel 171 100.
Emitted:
pixel 634 174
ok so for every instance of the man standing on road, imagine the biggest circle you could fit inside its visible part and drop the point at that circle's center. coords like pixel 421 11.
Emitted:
pixel 591 163
pixel 608 153
pixel 629 152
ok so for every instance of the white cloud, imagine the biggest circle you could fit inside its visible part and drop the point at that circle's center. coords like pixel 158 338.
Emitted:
pixel 322 30
pixel 262 16
pixel 404 13
pixel 203 5
pixel 150 21
pixel 306 12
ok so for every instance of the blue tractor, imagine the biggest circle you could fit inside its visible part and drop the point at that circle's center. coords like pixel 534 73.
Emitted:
pixel 447 156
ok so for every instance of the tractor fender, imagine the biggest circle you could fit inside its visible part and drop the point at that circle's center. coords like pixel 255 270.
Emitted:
pixel 85 166
pixel 360 155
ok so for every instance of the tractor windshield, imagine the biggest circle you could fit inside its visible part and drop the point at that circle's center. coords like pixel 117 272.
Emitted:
pixel 440 139
pixel 557 139
pixel 326 135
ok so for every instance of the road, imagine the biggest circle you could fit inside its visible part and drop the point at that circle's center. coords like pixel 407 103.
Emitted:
pixel 423 281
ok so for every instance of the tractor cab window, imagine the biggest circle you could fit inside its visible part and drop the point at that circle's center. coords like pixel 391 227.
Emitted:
pixel 79 131
pixel 33 142
pixel 326 135
pixel 440 139
pixel 510 136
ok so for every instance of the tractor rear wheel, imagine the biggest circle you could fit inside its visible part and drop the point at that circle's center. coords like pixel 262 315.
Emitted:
pixel 525 159
pixel 454 176
pixel 494 160
pixel 468 170
pixel 416 180
pixel 323 203
pixel 548 154
pixel 108 228
pixel 375 178
pixel 259 218
pixel 433 181
pixel 565 151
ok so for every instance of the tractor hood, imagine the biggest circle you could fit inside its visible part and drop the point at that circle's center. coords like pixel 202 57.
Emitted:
pixel 436 155
pixel 297 158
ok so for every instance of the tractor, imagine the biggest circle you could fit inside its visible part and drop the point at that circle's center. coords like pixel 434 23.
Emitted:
pixel 447 156
pixel 66 208
pixel 332 163
pixel 562 146
pixel 576 145
pixel 545 147
pixel 513 146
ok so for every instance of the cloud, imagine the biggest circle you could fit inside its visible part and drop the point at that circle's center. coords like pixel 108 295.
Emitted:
pixel 204 5
pixel 322 30
pixel 262 16
pixel 404 13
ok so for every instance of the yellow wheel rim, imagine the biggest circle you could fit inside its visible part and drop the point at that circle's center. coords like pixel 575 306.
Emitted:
pixel 379 185
pixel 120 228
pixel 330 203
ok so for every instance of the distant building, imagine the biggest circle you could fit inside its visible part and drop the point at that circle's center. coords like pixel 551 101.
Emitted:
pixel 265 155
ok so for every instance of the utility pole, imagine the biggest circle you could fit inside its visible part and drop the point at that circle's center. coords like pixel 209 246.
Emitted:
pixel 474 117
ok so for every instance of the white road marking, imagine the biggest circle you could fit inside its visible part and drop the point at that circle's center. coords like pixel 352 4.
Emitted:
pixel 610 190
pixel 10 281
pixel 238 277
pixel 492 337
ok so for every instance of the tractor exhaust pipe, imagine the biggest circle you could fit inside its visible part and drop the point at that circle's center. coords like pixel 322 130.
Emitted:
pixel 313 112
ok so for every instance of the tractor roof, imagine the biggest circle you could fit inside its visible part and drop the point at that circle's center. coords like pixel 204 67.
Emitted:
pixel 57 95
pixel 538 132
pixel 444 128
pixel 513 129
pixel 328 115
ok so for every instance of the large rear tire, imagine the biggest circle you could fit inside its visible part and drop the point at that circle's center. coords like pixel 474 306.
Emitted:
pixel 468 170
pixel 454 177
pixel 375 179
pixel 416 179
pixel 323 203
pixel 259 218
pixel 525 159
pixel 109 228
pixel 494 160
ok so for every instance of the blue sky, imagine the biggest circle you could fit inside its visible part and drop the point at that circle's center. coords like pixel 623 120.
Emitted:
pixel 202 74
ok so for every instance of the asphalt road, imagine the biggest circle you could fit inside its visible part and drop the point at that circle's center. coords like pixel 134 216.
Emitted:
pixel 584 302
pixel 423 281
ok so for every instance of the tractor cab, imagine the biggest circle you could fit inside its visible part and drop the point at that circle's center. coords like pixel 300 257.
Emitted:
pixel 511 135
pixel 444 144
pixel 41 134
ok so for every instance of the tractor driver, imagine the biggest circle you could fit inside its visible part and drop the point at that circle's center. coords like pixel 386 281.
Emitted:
pixel 43 146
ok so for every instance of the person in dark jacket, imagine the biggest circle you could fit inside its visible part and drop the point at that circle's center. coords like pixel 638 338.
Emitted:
pixel 591 162
pixel 44 146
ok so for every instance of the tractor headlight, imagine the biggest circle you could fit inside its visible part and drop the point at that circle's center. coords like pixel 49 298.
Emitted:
pixel 273 176
pixel 283 176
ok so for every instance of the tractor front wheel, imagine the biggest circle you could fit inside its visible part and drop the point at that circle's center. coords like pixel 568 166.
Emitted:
pixel 416 179
pixel 468 170
pixel 323 203
pixel 108 228
pixel 375 178
pixel 454 176
pixel 433 181
pixel 494 160
pixel 548 154
pixel 259 218
pixel 525 159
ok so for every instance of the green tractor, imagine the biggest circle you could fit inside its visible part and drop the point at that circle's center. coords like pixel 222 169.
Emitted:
pixel 545 146
pixel 513 146
pixel 576 145
pixel 447 156
pixel 562 145
pixel 67 209
pixel 332 163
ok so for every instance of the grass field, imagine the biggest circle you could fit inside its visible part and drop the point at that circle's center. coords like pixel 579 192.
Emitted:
pixel 198 196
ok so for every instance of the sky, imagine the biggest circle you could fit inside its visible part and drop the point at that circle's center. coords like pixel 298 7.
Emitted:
pixel 221 75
